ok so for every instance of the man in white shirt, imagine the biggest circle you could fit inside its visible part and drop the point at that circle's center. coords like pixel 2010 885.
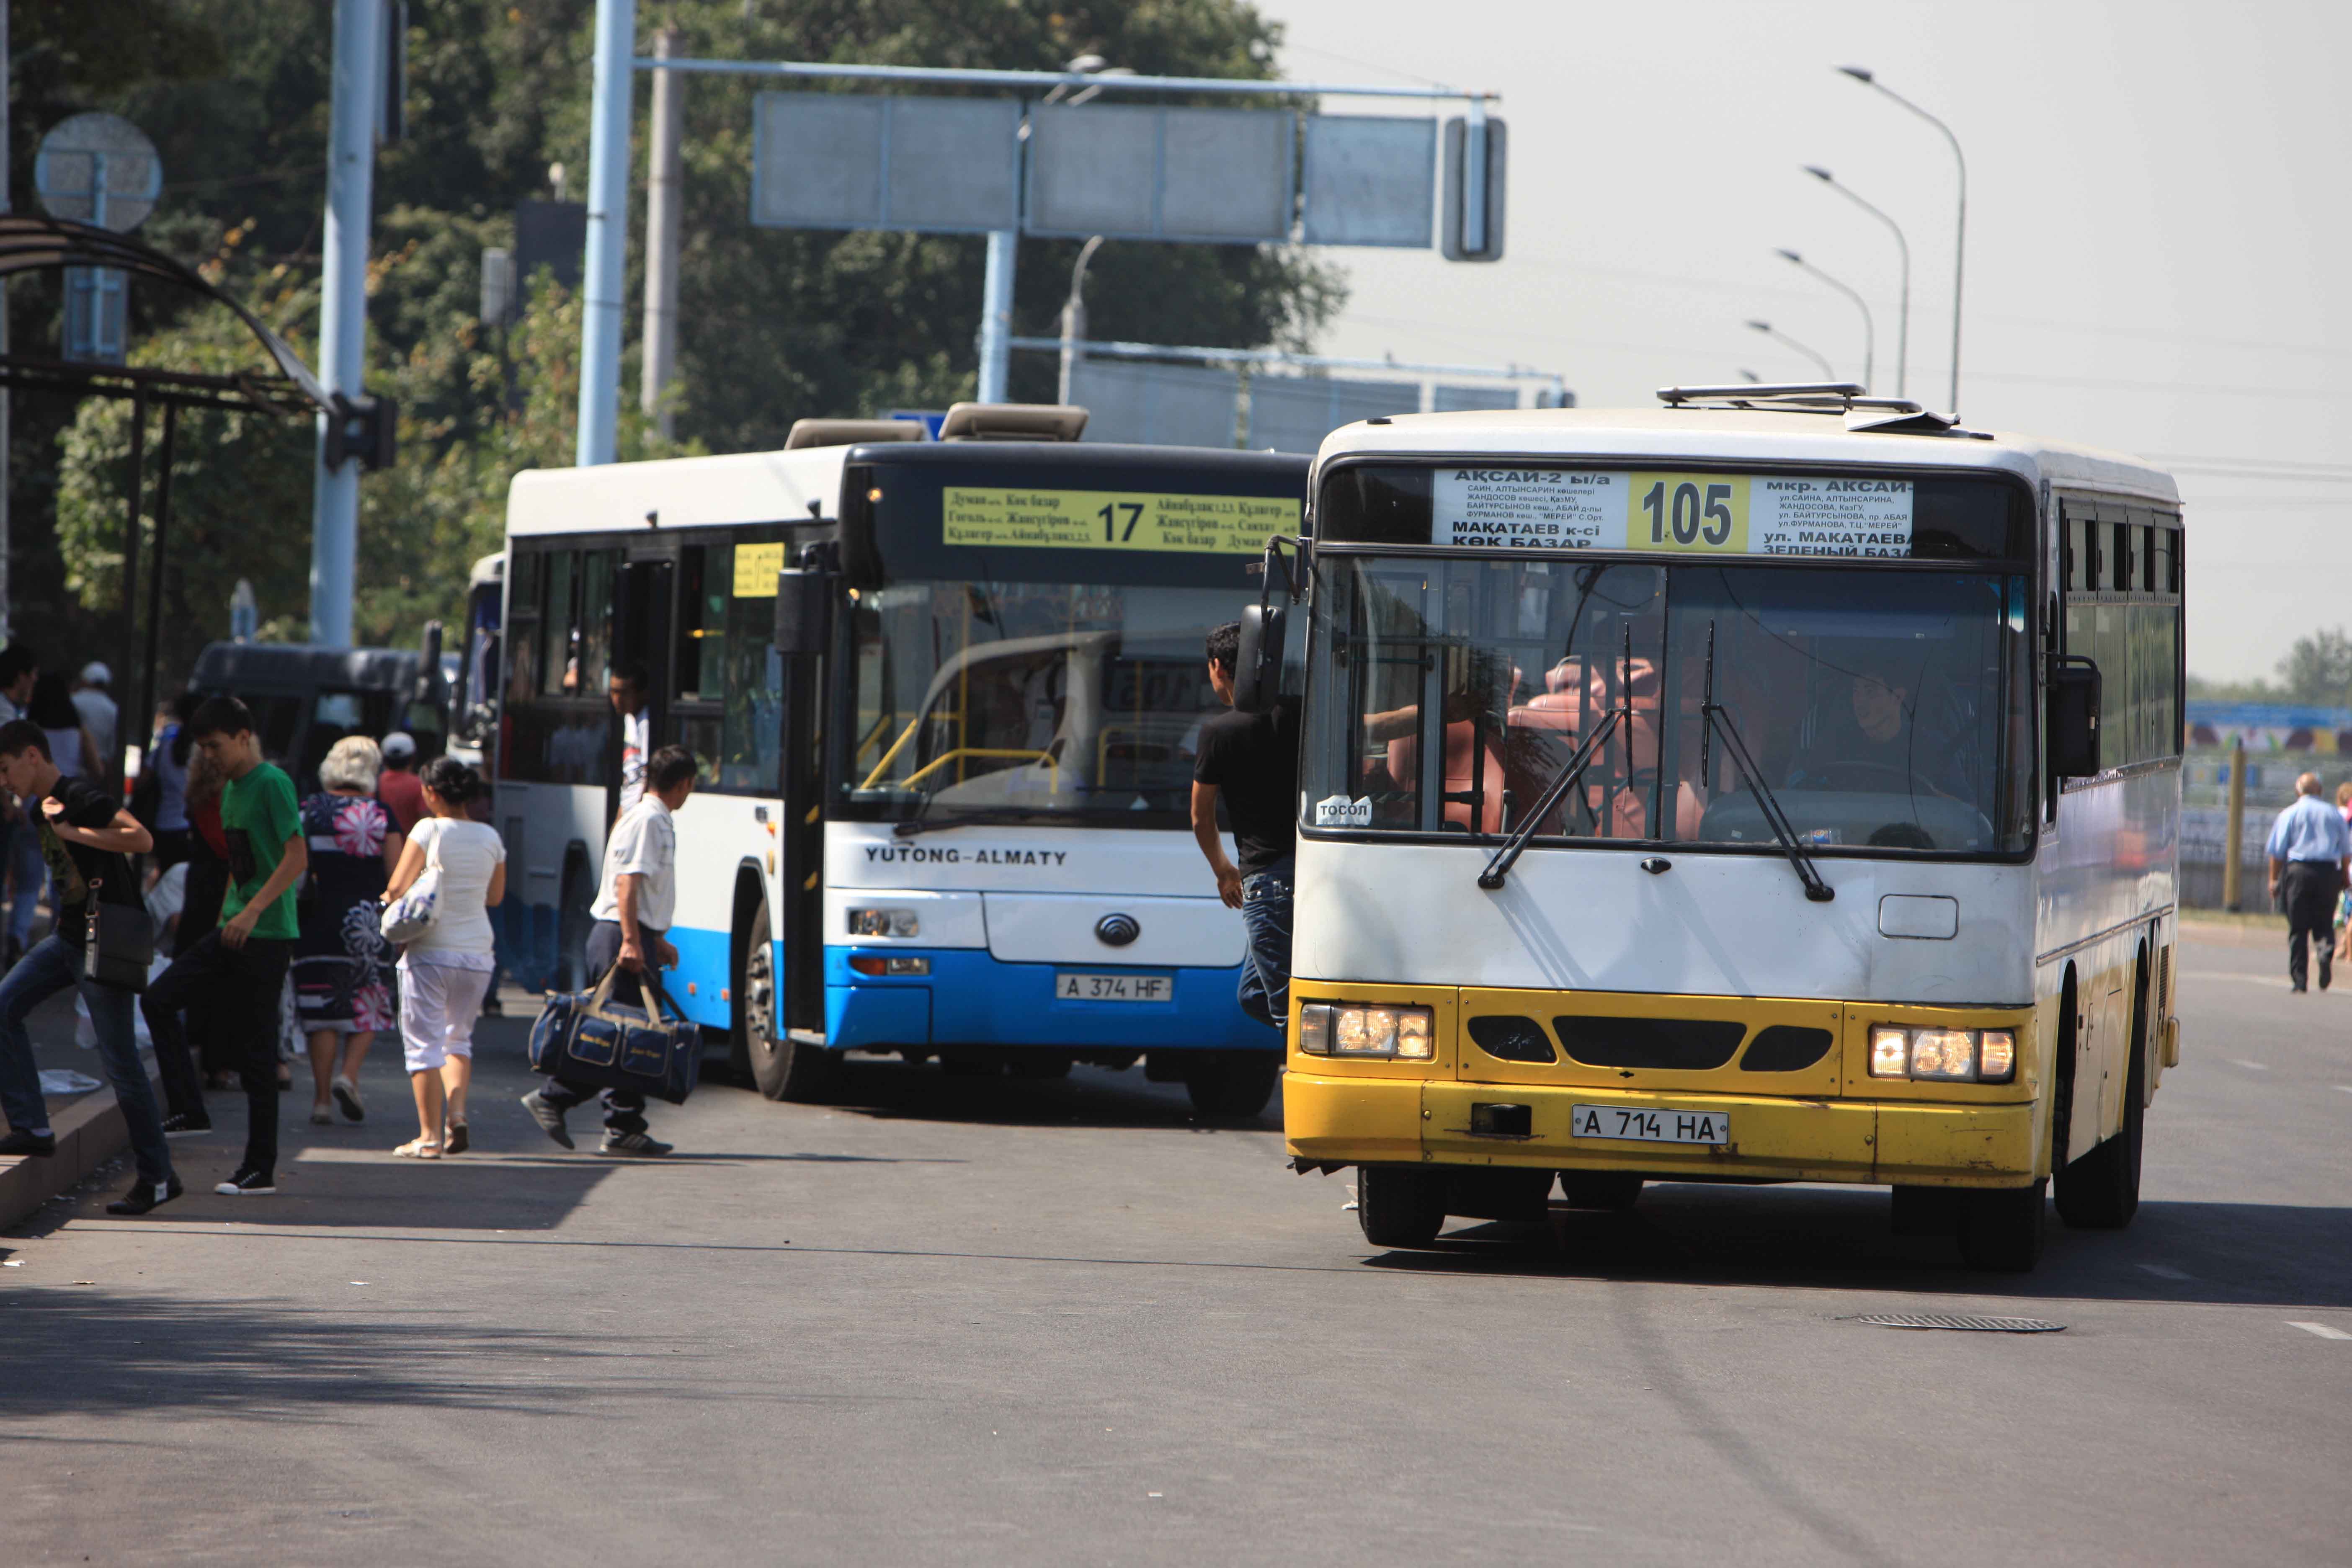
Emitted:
pixel 636 900
pixel 627 695
pixel 2309 849
pixel 99 714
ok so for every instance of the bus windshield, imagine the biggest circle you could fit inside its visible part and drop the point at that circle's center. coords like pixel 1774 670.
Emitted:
pixel 1053 700
pixel 1886 710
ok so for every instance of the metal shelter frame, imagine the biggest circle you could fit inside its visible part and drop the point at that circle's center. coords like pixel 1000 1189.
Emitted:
pixel 31 243
pixel 616 62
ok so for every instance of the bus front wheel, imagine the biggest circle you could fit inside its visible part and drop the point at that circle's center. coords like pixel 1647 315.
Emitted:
pixel 785 1068
pixel 2001 1230
pixel 1236 1085
pixel 1398 1206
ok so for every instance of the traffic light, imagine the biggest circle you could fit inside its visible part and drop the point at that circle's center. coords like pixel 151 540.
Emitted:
pixel 364 427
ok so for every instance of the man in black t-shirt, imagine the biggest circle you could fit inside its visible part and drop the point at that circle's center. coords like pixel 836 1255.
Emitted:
pixel 88 840
pixel 1251 761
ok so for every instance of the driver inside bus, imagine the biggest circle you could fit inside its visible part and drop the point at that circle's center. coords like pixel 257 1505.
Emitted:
pixel 1890 739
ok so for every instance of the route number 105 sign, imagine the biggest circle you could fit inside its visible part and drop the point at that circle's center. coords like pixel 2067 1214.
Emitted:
pixel 1711 514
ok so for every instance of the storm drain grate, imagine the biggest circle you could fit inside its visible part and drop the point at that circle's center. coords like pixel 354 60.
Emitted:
pixel 1954 1320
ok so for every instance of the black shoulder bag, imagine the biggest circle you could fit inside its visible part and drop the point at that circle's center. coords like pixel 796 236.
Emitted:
pixel 119 945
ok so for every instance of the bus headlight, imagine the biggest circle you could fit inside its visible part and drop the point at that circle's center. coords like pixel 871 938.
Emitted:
pixel 883 922
pixel 1943 1055
pixel 1352 1030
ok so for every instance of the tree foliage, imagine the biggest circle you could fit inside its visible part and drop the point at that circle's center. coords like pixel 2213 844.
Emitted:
pixel 775 325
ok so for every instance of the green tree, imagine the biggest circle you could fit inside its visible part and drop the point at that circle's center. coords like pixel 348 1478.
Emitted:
pixel 775 325
pixel 2318 669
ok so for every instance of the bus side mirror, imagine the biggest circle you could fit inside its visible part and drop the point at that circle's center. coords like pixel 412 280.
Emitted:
pixel 1257 667
pixel 2073 717
pixel 803 612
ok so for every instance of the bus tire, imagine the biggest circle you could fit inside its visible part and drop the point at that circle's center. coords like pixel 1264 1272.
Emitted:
pixel 784 1067
pixel 1234 1085
pixel 1398 1206
pixel 1613 1189
pixel 2001 1230
pixel 2101 1190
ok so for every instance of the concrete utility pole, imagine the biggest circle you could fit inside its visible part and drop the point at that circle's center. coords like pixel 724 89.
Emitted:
pixel 343 309
pixel 1074 314
pixel 663 210
pixel 996 315
pixel 604 274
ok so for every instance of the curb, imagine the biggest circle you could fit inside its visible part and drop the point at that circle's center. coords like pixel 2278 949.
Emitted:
pixel 89 1133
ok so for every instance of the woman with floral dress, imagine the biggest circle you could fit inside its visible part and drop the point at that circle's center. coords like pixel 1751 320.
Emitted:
pixel 343 966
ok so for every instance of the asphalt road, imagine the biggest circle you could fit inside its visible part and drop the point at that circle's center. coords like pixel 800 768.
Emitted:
pixel 949 1320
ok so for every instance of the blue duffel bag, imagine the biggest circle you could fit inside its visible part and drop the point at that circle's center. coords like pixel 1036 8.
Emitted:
pixel 585 1037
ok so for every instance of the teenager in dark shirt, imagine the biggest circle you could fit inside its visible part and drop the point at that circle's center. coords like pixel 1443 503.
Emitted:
pixel 87 839
pixel 1251 760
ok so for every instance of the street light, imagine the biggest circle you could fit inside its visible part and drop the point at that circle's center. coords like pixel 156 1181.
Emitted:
pixel 1074 312
pixel 1869 328
pixel 1813 355
pixel 1903 320
pixel 1960 228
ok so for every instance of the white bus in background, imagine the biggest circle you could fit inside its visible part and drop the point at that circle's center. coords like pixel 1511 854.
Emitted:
pixel 1759 819
pixel 944 803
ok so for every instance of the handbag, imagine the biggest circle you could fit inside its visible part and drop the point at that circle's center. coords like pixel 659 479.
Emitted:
pixel 118 944
pixel 586 1037
pixel 411 915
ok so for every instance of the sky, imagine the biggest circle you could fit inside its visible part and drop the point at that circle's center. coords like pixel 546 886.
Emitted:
pixel 2156 233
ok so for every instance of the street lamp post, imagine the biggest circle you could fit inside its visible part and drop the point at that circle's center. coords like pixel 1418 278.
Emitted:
pixel 1074 312
pixel 1902 248
pixel 1960 228
pixel 1869 327
pixel 1782 338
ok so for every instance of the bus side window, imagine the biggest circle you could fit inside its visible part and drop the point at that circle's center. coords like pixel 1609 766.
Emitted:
pixel 559 669
pixel 523 632
pixel 598 572
pixel 698 665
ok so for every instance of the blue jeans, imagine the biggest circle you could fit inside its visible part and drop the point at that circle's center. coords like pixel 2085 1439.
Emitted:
pixel 53 966
pixel 24 858
pixel 1264 992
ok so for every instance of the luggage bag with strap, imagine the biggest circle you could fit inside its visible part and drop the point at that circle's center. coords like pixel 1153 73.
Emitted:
pixel 586 1037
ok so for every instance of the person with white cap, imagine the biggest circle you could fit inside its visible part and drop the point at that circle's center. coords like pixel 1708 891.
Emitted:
pixel 100 716
pixel 401 792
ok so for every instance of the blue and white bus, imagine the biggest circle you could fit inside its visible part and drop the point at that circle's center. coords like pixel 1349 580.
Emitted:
pixel 951 820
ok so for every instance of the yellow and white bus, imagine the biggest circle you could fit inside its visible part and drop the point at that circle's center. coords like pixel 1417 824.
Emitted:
pixel 1789 792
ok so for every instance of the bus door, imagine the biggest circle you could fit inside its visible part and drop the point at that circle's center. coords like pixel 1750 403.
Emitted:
pixel 641 621
pixel 800 788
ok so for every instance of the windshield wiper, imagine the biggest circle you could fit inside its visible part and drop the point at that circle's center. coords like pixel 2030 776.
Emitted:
pixel 1716 717
pixel 1580 759
pixel 922 822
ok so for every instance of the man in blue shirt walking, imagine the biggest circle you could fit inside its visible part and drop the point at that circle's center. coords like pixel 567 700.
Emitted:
pixel 2310 849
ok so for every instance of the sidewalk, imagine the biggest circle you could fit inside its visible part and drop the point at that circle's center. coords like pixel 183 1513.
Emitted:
pixel 88 1124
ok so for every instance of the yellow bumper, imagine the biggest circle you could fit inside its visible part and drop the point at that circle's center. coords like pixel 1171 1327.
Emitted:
pixel 1359 1121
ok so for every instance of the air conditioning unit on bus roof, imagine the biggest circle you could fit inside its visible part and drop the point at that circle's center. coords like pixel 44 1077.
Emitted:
pixel 1013 422
pixel 963 422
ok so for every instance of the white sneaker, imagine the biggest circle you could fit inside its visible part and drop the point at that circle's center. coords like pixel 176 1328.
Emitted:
pixel 347 1099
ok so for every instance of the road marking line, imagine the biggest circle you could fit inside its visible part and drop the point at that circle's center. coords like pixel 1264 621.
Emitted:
pixel 2325 1330
pixel 2342 1087
pixel 2166 1271
pixel 2250 1067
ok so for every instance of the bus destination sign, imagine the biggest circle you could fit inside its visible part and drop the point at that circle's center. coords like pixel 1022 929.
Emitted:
pixel 1708 514
pixel 1114 520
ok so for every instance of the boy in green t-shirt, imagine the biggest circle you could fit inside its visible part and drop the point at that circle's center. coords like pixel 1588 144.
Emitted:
pixel 239 969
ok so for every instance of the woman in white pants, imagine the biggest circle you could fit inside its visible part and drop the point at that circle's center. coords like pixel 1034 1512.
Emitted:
pixel 446 972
